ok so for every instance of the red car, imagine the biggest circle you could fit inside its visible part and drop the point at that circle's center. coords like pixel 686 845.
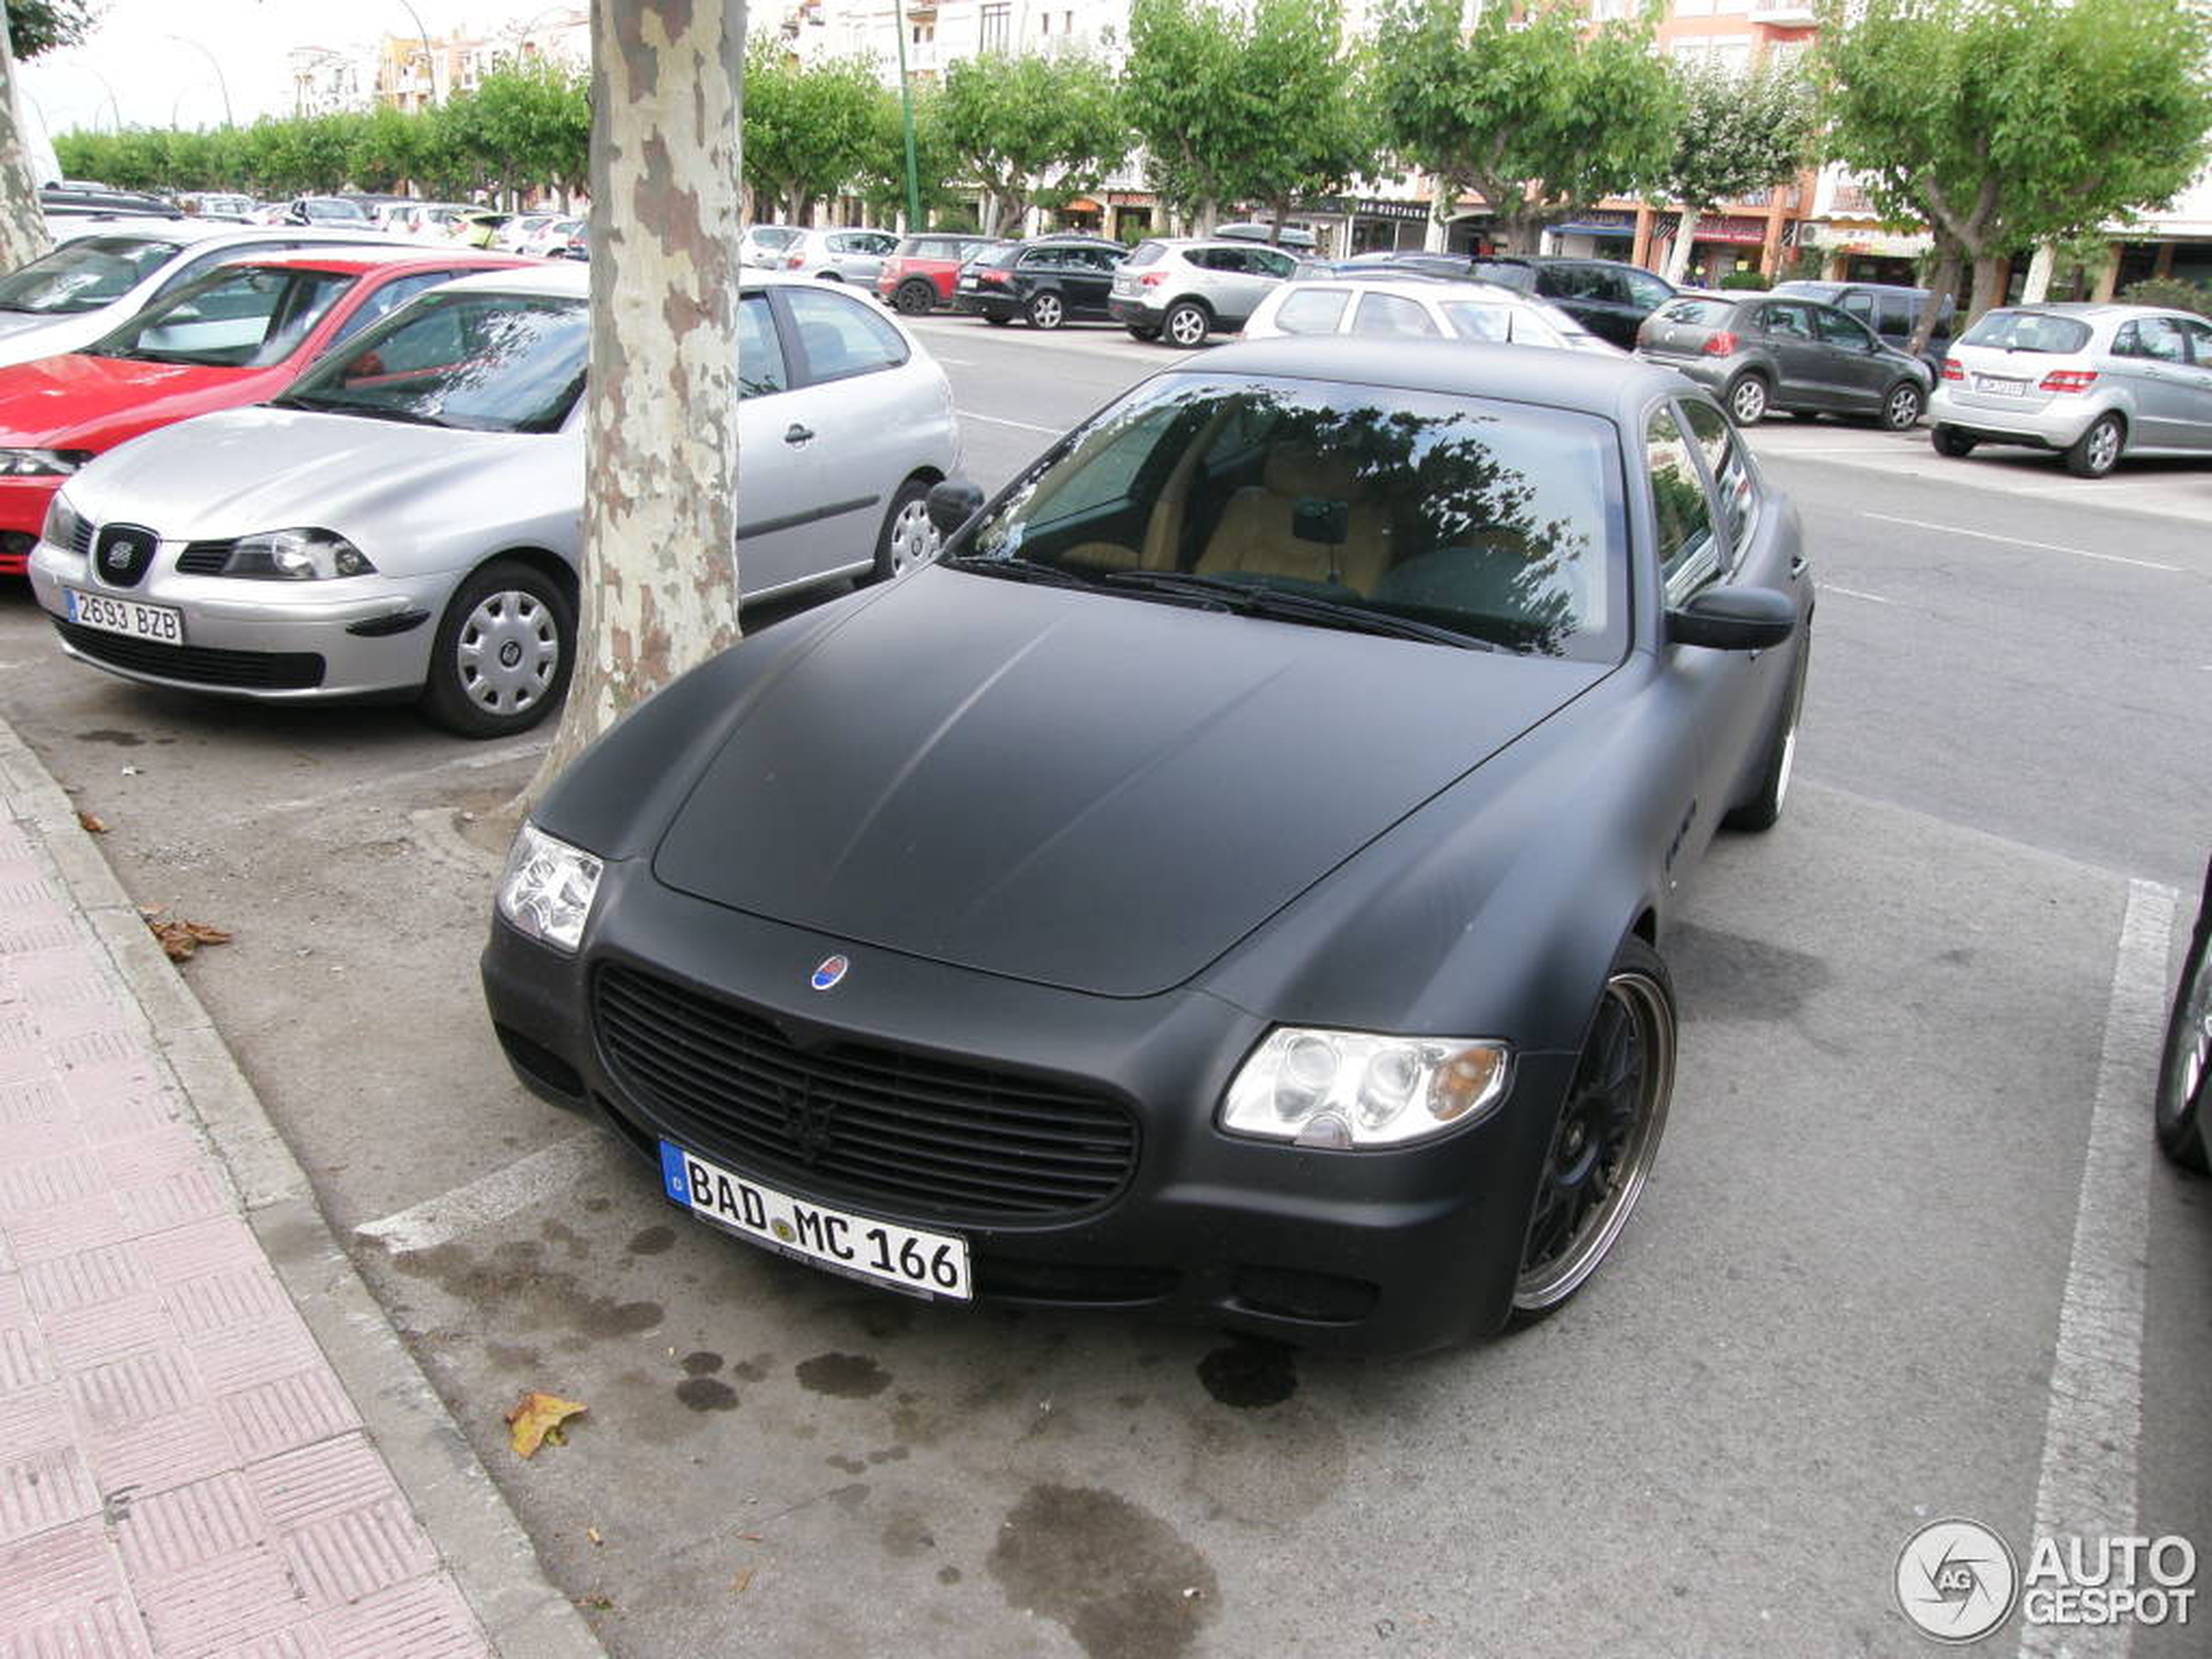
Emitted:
pixel 240 334
pixel 918 277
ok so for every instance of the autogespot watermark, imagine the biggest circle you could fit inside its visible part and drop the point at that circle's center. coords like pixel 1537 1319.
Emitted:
pixel 1958 1580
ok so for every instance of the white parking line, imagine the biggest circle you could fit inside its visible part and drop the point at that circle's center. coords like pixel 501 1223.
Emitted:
pixel 1000 420
pixel 2014 541
pixel 2088 1486
pixel 494 1196
pixel 1854 593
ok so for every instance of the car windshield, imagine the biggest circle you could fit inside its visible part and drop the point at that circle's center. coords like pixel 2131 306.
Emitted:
pixel 490 362
pixel 1501 523
pixel 238 317
pixel 2036 331
pixel 83 275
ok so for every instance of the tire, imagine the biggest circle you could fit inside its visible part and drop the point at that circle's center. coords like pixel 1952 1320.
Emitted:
pixel 1045 310
pixel 908 539
pixel 1186 325
pixel 1137 331
pixel 995 320
pixel 915 299
pixel 1902 407
pixel 1607 1134
pixel 1747 398
pixel 1764 810
pixel 503 652
pixel 1949 441
pixel 2096 452
pixel 2178 1108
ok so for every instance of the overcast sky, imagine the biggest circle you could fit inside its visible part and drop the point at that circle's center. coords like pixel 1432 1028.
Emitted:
pixel 149 61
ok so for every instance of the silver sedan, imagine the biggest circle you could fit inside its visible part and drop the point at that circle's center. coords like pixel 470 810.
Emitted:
pixel 407 519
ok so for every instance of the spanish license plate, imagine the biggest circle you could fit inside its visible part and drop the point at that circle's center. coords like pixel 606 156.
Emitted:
pixel 906 1259
pixel 1996 387
pixel 162 623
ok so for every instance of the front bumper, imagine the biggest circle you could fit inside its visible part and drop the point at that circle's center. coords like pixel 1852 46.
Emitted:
pixel 2056 423
pixel 1134 313
pixel 1379 1251
pixel 23 515
pixel 271 641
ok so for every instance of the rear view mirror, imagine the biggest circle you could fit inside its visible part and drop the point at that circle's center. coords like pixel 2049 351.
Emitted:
pixel 1733 619
pixel 952 503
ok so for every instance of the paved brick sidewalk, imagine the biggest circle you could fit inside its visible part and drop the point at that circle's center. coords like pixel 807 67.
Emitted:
pixel 181 1470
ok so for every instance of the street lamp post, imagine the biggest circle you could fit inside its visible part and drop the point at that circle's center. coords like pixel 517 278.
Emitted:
pixel 221 80
pixel 429 59
pixel 906 115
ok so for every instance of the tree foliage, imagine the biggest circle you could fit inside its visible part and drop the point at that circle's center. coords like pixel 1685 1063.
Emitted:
pixel 36 26
pixel 1033 127
pixel 809 131
pixel 1734 133
pixel 881 180
pixel 1243 105
pixel 1540 112
pixel 2005 123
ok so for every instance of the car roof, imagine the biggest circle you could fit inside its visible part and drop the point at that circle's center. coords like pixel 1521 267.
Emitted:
pixel 1616 388
pixel 376 258
pixel 568 278
pixel 2092 310
pixel 1414 284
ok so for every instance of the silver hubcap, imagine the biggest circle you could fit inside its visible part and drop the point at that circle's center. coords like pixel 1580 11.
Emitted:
pixel 1751 402
pixel 1603 1149
pixel 1905 408
pixel 2104 446
pixel 1046 313
pixel 913 538
pixel 508 650
pixel 1186 327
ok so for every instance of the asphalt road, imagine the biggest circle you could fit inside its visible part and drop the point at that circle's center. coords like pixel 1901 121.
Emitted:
pixel 1907 1014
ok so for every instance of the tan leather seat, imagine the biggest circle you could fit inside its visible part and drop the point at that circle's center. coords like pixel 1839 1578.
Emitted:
pixel 1258 533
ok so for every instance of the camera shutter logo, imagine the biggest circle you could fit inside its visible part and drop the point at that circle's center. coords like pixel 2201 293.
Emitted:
pixel 1957 1580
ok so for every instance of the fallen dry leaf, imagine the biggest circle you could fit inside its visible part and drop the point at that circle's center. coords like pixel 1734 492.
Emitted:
pixel 92 823
pixel 180 939
pixel 592 1533
pixel 537 1418
pixel 741 1583
pixel 596 1603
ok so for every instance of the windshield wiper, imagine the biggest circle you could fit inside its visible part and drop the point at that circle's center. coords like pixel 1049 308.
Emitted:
pixel 1252 599
pixel 1014 568
pixel 339 406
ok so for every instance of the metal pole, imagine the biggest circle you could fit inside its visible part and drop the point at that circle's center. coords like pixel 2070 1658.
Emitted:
pixel 906 115
pixel 221 80
pixel 429 59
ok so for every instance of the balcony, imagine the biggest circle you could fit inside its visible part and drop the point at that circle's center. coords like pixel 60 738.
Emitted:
pixel 1784 11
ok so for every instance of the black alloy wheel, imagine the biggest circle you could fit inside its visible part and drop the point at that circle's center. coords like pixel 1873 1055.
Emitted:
pixel 1046 310
pixel 915 298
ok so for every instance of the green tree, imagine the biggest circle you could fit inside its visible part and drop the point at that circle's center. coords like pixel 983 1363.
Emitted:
pixel 2000 124
pixel 809 131
pixel 387 148
pixel 1033 128
pixel 1236 105
pixel 1734 133
pixel 1531 106
pixel 36 26
pixel 530 123
pixel 881 180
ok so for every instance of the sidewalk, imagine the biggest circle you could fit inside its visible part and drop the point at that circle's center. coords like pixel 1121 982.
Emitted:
pixel 212 1442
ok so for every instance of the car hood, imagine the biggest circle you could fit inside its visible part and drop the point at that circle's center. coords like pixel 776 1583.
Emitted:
pixel 237 471
pixel 77 401
pixel 1081 790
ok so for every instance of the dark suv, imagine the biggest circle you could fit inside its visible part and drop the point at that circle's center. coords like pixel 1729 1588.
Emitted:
pixel 1047 280
pixel 1610 299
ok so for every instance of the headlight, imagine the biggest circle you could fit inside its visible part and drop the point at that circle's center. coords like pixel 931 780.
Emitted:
pixel 64 524
pixel 1351 1088
pixel 296 555
pixel 548 889
pixel 41 464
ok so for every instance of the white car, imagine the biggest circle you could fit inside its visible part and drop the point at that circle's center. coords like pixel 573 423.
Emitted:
pixel 1401 307
pixel 407 518
pixel 85 287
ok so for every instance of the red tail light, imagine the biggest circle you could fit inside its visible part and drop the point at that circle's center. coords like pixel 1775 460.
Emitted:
pixel 1720 343
pixel 2069 379
pixel 1153 279
pixel 791 262
pixel 999 277
pixel 1954 369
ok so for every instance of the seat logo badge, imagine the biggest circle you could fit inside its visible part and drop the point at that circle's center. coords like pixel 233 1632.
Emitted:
pixel 833 969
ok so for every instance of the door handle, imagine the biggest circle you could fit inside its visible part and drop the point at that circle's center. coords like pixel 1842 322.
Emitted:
pixel 1797 567
pixel 796 435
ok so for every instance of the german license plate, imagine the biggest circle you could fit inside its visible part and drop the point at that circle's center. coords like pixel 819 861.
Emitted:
pixel 906 1259
pixel 161 623
pixel 1999 387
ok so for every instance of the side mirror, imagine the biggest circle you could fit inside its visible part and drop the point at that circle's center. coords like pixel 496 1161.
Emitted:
pixel 952 503
pixel 1733 619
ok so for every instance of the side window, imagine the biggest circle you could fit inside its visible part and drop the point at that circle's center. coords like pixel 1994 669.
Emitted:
pixel 389 299
pixel 1040 259
pixel 761 354
pixel 1790 321
pixel 2155 337
pixel 2199 339
pixel 1312 311
pixel 1472 321
pixel 1268 261
pixel 1688 556
pixel 1602 283
pixel 1731 472
pixel 1837 329
pixel 1393 314
pixel 1647 291
pixel 842 337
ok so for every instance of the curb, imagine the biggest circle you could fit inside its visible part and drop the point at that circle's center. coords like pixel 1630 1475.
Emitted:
pixel 452 1494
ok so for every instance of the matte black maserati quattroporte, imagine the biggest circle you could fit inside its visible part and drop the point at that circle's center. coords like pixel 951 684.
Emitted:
pixel 1230 883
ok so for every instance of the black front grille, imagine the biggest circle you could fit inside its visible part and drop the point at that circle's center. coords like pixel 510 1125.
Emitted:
pixel 908 1131
pixel 251 671
pixel 80 536
pixel 204 558
pixel 124 553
